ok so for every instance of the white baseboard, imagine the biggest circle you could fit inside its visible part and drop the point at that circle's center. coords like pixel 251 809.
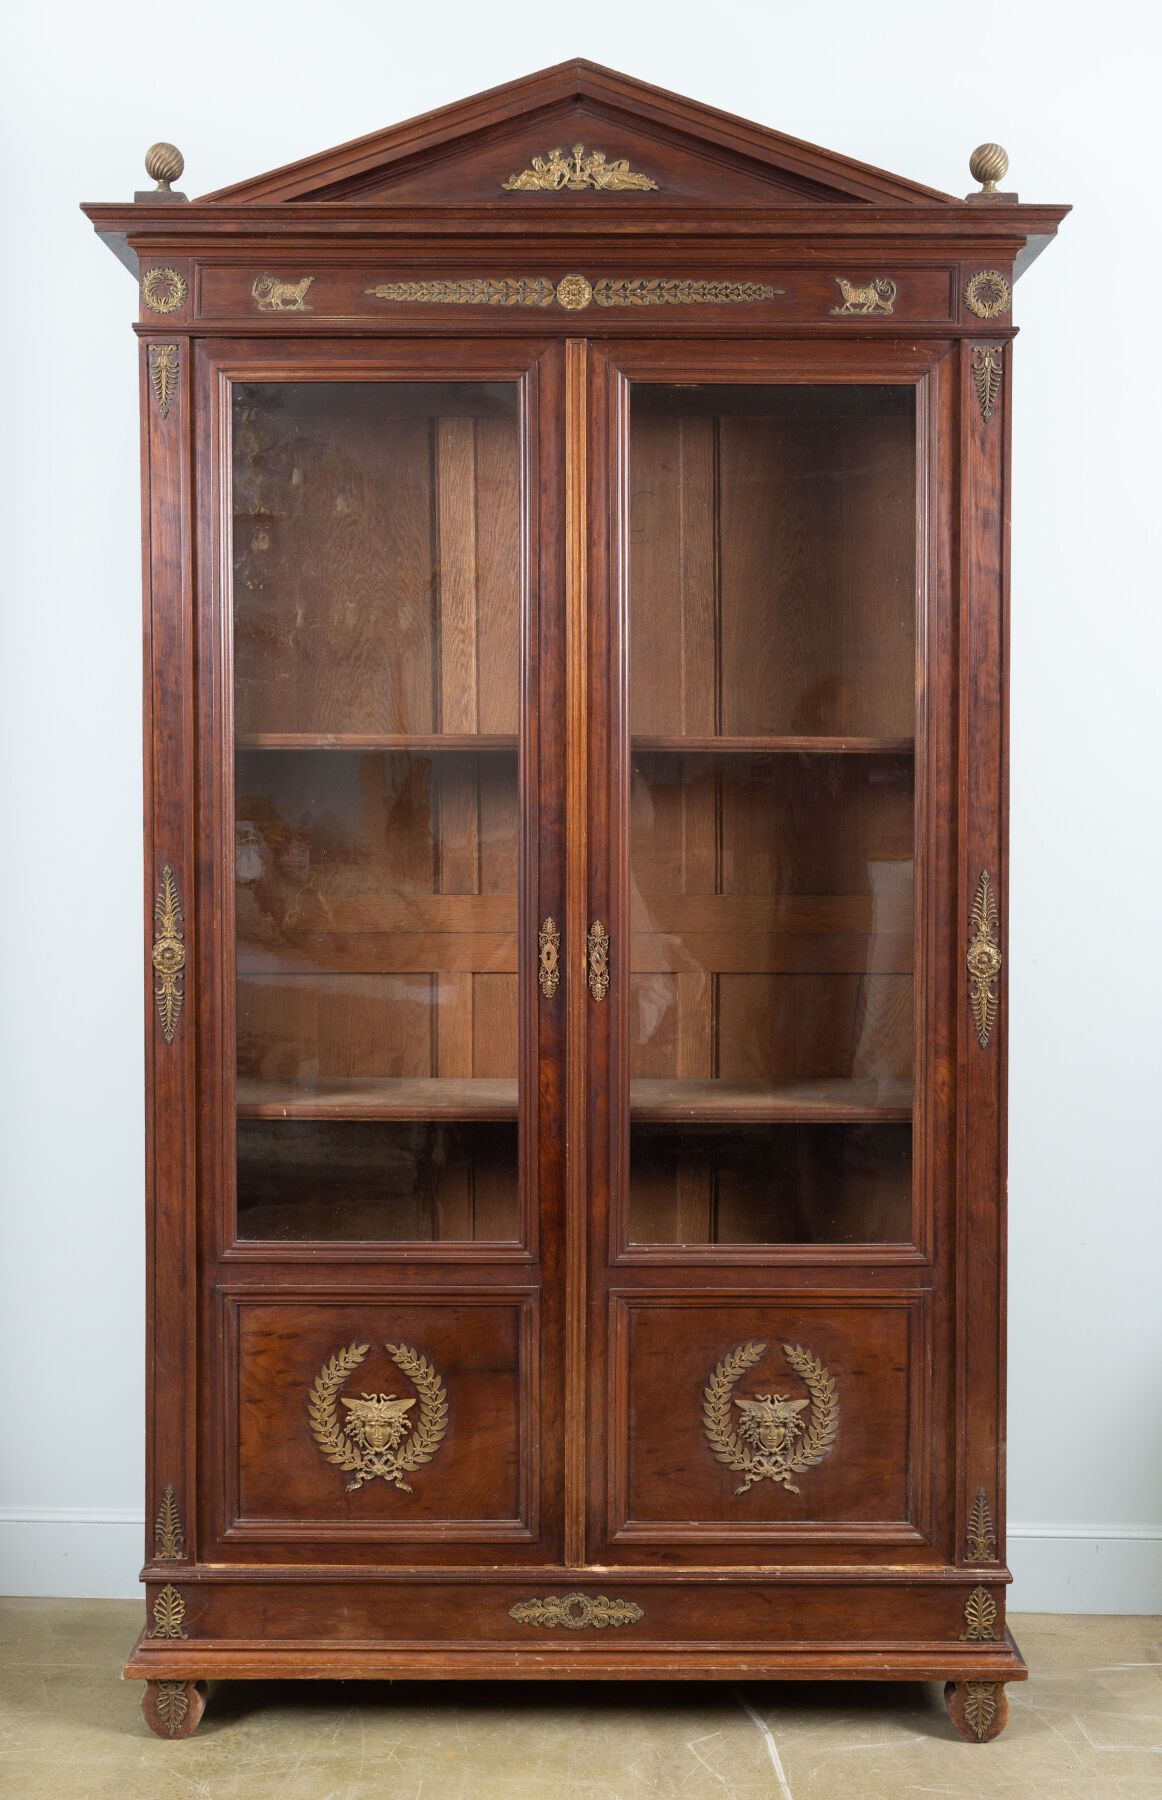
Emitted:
pixel 71 1553
pixel 1085 1569
pixel 94 1554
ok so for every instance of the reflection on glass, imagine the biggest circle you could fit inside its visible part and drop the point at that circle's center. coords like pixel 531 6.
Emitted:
pixel 376 633
pixel 772 707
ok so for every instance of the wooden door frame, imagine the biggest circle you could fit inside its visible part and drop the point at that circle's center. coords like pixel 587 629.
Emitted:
pixel 929 1264
pixel 536 364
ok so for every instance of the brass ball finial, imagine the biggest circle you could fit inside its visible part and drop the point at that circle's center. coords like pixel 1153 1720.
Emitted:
pixel 988 164
pixel 164 164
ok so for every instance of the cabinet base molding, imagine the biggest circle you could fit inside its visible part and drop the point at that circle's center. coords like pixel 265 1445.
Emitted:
pixel 304 1661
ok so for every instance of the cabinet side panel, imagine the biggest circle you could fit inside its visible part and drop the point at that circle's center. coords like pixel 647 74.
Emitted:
pixel 984 383
pixel 170 947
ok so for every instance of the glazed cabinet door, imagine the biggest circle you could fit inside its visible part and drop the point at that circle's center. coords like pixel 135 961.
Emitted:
pixel 381 1033
pixel 770 1153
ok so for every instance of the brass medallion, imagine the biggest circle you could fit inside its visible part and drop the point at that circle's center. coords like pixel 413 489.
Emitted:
pixel 987 294
pixel 163 375
pixel 576 1612
pixel 548 971
pixel 169 1538
pixel 987 368
pixel 163 290
pixel 169 1610
pixel 982 1539
pixel 771 1442
pixel 980 1707
pixel 172 1704
pixel 983 959
pixel 597 960
pixel 377 1438
pixel 169 955
pixel 877 296
pixel 980 1618
pixel 555 174
pixel 575 292
pixel 272 294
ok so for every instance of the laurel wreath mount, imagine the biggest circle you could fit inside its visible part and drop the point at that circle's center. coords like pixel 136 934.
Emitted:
pixel 340 1448
pixel 755 1465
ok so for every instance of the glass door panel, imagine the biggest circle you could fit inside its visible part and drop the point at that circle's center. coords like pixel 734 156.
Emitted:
pixel 772 715
pixel 376 613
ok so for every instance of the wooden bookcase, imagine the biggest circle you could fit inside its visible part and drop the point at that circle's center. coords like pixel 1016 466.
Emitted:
pixel 576 597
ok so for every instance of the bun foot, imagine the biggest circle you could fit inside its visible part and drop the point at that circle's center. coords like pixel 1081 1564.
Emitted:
pixel 978 1709
pixel 173 1709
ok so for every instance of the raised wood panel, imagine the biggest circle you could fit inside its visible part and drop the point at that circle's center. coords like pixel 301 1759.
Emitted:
pixel 481 1481
pixel 383 488
pixel 782 517
pixel 666 1485
pixel 410 862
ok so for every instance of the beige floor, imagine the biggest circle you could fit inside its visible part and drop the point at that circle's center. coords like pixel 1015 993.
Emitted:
pixel 1087 1726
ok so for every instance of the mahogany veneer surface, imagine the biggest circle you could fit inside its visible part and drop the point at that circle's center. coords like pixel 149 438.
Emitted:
pixel 483 606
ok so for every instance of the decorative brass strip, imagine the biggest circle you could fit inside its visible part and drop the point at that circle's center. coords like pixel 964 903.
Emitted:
pixel 163 375
pixel 169 954
pixel 376 1439
pixel 273 295
pixel 575 292
pixel 163 290
pixel 576 1612
pixel 169 1537
pixel 597 960
pixel 988 294
pixel 548 970
pixel 172 1704
pixel 767 1445
pixel 980 1617
pixel 169 1610
pixel 983 959
pixel 980 1707
pixel 657 290
pixel 480 291
pixel 877 296
pixel 581 169
pixel 987 369
pixel 982 1539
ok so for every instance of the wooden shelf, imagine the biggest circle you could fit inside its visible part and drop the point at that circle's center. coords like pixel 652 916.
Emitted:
pixel 777 746
pixel 373 1097
pixel 376 740
pixel 837 1102
pixel 651 1101
pixel 492 742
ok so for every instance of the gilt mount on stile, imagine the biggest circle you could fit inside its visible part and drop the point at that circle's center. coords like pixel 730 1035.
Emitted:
pixel 576 1078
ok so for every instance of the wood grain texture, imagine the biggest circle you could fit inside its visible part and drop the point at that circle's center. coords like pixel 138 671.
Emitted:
pixel 168 476
pixel 690 618
pixel 667 1486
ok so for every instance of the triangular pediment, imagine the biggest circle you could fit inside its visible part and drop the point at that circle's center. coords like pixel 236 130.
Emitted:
pixel 673 151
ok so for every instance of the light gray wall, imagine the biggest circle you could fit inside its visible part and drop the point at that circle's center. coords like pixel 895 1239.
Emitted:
pixel 245 86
